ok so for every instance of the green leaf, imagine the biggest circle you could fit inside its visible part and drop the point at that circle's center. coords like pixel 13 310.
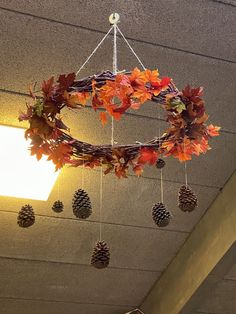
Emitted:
pixel 177 104
pixel 38 108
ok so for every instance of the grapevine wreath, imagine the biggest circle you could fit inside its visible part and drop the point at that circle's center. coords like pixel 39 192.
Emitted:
pixel 112 95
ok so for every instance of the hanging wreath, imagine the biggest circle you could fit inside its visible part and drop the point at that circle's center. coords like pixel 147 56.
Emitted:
pixel 186 135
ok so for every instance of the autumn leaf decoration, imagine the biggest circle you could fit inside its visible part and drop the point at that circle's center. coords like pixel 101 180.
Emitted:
pixel 113 95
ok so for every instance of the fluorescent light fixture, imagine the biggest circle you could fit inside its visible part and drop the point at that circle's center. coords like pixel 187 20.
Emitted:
pixel 21 175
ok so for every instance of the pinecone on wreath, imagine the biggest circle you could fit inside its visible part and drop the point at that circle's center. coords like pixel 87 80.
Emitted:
pixel 26 217
pixel 160 215
pixel 187 199
pixel 160 163
pixel 81 204
pixel 101 255
pixel 58 206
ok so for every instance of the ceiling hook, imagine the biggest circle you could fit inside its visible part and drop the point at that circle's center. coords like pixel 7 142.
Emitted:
pixel 114 18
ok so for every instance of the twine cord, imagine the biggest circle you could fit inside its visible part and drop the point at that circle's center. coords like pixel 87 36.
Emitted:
pixel 162 192
pixel 185 170
pixel 114 66
pixel 159 136
pixel 186 174
pixel 132 50
pixel 100 207
pixel 94 51
pixel 82 184
pixel 58 188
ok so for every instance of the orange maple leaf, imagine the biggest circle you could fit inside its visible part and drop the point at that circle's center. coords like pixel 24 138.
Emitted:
pixel 136 77
pixel 168 145
pixel 213 130
pixel 60 155
pixel 103 118
pixel 39 151
pixel 204 146
pixel 75 99
pixel 150 76
pixel 138 170
pixel 142 94
pixel 121 171
pixel 83 97
pixel 108 91
pixel 182 155
pixel 135 105
pixel 111 110
pixel 93 88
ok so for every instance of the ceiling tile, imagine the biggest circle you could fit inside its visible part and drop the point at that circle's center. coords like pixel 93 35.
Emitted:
pixel 13 306
pixel 73 283
pixel 186 26
pixel 73 241
pixel 49 50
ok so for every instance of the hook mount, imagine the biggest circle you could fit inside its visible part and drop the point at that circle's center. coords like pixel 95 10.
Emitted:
pixel 114 18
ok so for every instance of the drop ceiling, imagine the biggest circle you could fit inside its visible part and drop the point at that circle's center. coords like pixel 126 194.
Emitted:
pixel 45 269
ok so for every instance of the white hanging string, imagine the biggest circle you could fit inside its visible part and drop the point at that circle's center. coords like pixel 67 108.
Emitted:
pixel 185 172
pixel 100 207
pixel 114 66
pixel 82 181
pixel 185 169
pixel 115 50
pixel 93 52
pixel 58 188
pixel 132 50
pixel 159 135
pixel 162 192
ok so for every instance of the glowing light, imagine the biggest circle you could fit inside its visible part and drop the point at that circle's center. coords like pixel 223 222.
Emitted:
pixel 21 175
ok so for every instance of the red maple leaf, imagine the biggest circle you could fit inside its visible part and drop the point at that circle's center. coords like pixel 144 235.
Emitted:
pixel 158 86
pixel 147 155
pixel 65 81
pixel 126 103
pixel 48 88
pixel 193 94
pixel 60 155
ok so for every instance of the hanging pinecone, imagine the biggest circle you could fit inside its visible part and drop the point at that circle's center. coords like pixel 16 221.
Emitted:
pixel 58 207
pixel 81 204
pixel 160 215
pixel 160 163
pixel 26 216
pixel 101 255
pixel 187 199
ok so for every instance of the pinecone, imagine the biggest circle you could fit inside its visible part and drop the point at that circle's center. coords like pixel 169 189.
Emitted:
pixel 160 163
pixel 26 216
pixel 81 204
pixel 187 199
pixel 101 255
pixel 58 207
pixel 160 215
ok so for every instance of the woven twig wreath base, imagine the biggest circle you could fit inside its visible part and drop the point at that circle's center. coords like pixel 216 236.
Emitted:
pixel 187 133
